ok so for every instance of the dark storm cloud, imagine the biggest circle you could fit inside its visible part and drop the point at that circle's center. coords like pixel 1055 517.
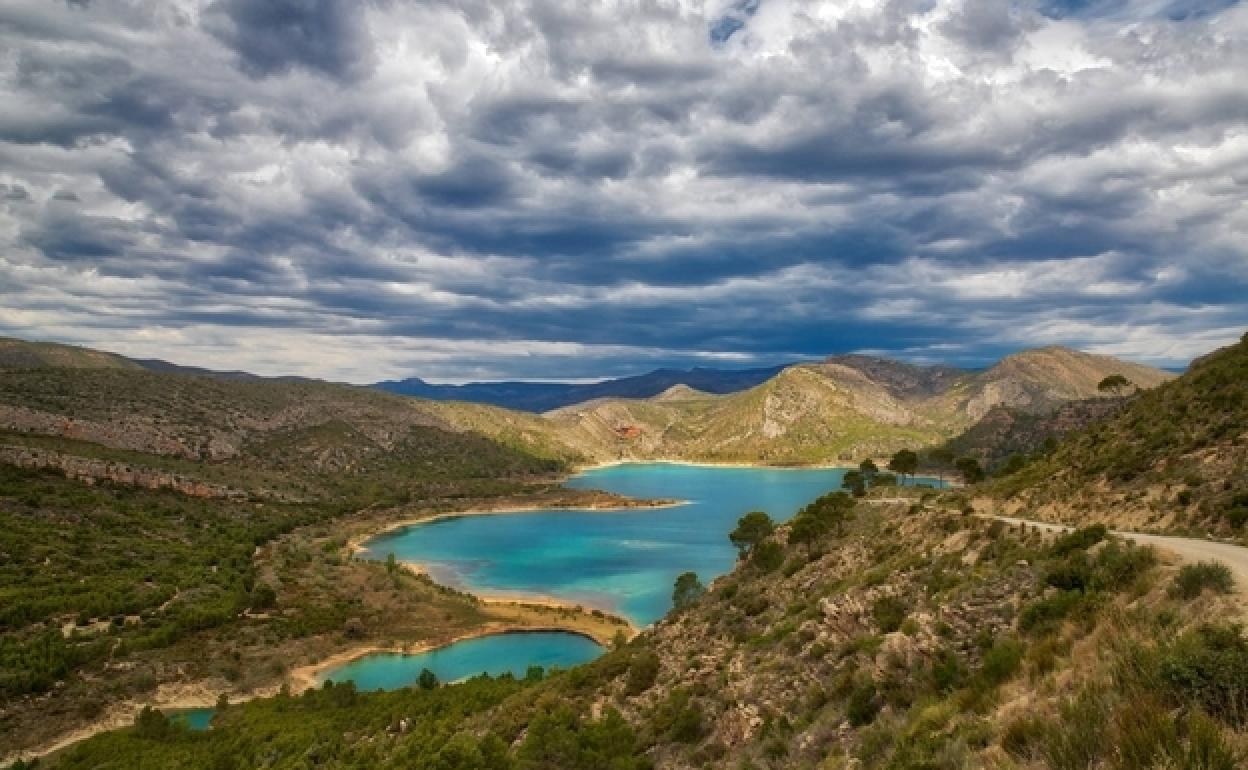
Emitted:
pixel 533 188
pixel 271 37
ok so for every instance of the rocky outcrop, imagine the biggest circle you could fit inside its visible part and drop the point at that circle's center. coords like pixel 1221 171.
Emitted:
pixel 136 434
pixel 91 471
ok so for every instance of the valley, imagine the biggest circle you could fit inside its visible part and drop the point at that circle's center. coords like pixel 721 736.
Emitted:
pixel 250 540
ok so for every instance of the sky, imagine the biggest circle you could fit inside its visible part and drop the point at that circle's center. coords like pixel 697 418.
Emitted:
pixel 489 189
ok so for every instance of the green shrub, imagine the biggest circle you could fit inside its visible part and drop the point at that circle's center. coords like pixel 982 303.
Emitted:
pixel 1002 661
pixel 1193 579
pixel 889 612
pixel 643 670
pixel 1120 565
pixel 767 555
pixel 863 705
pixel 1043 615
pixel 1073 574
pixel 1079 540
pixel 948 672
pixel 1208 667
pixel 678 718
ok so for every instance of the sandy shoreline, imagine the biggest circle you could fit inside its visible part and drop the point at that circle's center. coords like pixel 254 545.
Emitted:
pixel 197 695
pixel 545 601
pixel 701 464
pixel 168 697
pixel 311 676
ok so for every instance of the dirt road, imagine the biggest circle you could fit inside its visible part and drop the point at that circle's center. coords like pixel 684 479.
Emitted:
pixel 1186 548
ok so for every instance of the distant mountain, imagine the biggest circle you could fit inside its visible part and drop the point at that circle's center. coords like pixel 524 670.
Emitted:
pixel 544 396
pixel 22 354
pixel 843 409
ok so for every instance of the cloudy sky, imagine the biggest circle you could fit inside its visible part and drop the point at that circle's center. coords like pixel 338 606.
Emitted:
pixel 484 189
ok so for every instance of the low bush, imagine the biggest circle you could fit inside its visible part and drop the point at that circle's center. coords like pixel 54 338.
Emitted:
pixel 1043 615
pixel 1079 540
pixel 863 706
pixel 1208 667
pixel 1002 661
pixel 678 719
pixel 889 612
pixel 767 555
pixel 1193 579
pixel 642 672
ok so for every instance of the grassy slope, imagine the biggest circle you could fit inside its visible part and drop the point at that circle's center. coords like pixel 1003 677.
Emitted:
pixel 1176 458
pixel 296 439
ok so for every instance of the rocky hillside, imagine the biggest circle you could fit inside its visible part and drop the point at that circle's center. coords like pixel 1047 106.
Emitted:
pixel 1175 458
pixel 1005 432
pixel 1037 381
pixel 291 440
pixel 845 408
pixel 802 415
pixel 905 637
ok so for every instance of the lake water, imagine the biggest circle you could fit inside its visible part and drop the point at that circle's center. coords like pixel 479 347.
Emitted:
pixel 195 719
pixel 494 655
pixel 623 561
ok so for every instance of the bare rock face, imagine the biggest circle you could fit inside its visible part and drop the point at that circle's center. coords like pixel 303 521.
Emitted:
pixel 1004 393
pixel 902 380
pixel 92 471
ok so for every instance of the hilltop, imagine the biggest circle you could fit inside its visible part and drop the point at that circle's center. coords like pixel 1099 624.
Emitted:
pixel 1174 458
pixel 20 354
pixel 844 409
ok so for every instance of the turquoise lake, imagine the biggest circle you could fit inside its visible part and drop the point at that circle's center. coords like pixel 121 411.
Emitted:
pixel 494 655
pixel 195 719
pixel 624 561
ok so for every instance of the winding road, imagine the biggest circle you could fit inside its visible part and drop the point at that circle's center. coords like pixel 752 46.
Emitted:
pixel 1188 549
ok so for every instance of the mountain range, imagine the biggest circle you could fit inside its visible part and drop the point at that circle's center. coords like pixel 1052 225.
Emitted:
pixel 544 396
pixel 844 408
